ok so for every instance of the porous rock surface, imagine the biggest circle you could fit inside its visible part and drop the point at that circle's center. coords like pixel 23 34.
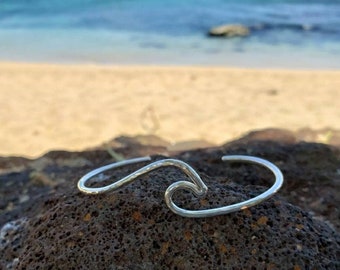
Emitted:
pixel 46 223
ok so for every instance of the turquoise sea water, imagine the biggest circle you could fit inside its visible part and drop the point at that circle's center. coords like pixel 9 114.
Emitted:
pixel 294 34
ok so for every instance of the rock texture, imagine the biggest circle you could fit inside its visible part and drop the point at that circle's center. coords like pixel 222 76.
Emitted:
pixel 229 31
pixel 46 223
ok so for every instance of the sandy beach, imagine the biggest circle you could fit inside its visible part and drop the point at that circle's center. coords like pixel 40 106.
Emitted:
pixel 45 107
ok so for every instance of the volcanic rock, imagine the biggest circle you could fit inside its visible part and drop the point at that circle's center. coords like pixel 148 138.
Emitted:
pixel 52 225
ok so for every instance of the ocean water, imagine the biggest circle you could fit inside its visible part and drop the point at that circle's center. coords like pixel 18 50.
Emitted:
pixel 284 33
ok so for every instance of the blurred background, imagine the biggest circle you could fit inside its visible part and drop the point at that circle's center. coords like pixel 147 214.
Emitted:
pixel 172 32
pixel 80 72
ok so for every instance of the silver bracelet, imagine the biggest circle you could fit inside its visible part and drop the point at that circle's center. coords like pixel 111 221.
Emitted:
pixel 197 186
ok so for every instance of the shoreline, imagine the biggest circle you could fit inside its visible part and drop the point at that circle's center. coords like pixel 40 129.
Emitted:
pixel 151 66
pixel 128 48
pixel 72 107
pixel 272 60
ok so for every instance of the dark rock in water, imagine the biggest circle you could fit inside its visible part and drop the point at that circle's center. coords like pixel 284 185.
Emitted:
pixel 229 31
pixel 285 26
pixel 132 228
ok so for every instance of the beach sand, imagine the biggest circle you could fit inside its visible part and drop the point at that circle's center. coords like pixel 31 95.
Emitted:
pixel 47 107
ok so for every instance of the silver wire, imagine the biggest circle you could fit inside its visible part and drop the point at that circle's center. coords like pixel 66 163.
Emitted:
pixel 197 186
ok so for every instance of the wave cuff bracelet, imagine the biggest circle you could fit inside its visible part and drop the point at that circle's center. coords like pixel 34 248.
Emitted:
pixel 197 186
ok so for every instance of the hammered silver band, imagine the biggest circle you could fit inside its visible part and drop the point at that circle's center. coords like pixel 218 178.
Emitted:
pixel 197 186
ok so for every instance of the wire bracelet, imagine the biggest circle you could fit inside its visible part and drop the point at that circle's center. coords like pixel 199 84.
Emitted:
pixel 197 186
